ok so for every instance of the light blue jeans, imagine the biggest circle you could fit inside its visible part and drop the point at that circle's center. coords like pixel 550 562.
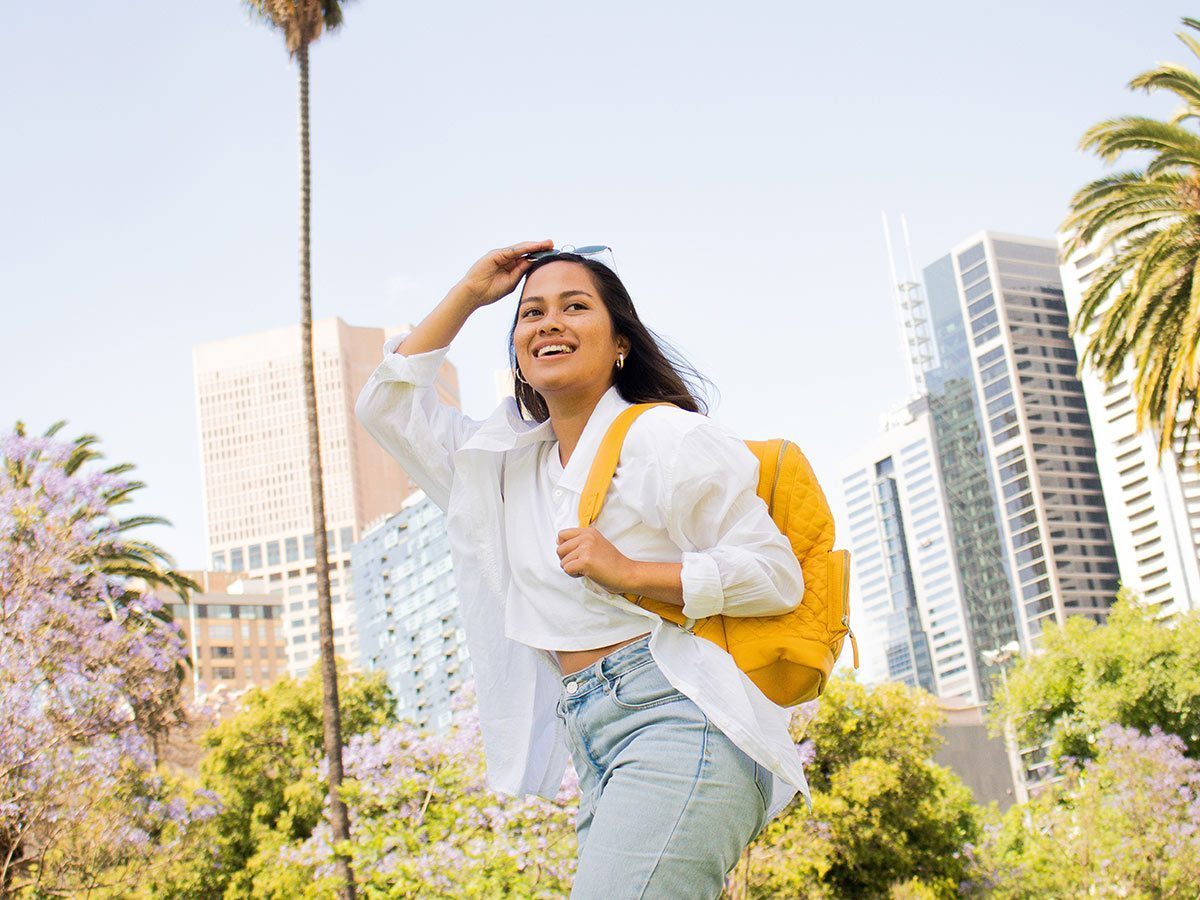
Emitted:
pixel 667 802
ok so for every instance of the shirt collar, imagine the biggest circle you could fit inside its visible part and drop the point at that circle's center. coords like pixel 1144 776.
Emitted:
pixel 575 473
pixel 505 429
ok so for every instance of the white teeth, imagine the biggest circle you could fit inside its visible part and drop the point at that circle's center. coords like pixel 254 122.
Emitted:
pixel 549 347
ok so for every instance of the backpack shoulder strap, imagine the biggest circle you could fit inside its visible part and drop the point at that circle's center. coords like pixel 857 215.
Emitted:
pixel 605 464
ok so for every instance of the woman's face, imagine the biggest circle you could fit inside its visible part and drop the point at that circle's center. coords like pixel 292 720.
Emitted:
pixel 564 337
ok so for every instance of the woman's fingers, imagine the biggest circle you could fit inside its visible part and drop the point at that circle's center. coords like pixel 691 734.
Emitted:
pixel 518 250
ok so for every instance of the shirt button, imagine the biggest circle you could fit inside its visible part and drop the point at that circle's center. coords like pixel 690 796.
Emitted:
pixel 558 493
pixel 572 687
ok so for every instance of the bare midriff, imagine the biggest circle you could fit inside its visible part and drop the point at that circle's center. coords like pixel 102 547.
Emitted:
pixel 572 661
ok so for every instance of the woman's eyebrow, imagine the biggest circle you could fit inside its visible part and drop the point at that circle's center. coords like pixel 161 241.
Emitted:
pixel 561 296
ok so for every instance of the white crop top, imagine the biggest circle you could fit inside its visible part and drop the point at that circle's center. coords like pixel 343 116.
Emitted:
pixel 547 608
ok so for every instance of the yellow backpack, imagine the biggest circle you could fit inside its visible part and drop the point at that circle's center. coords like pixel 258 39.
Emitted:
pixel 789 657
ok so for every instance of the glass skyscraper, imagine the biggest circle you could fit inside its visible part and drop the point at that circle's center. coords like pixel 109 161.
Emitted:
pixel 1037 435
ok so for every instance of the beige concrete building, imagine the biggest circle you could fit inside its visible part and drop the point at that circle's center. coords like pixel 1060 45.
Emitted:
pixel 258 514
pixel 233 631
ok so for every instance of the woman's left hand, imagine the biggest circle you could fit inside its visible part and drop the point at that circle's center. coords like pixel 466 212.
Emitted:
pixel 585 551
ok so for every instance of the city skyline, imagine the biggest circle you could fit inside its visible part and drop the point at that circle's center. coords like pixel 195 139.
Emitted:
pixel 258 509
pixel 729 219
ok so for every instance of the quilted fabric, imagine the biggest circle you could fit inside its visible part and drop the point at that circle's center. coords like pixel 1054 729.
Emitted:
pixel 789 657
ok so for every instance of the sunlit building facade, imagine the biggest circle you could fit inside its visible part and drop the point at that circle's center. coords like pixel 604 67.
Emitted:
pixel 254 448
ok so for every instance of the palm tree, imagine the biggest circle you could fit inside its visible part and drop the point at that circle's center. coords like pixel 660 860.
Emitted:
pixel 302 22
pixel 1142 306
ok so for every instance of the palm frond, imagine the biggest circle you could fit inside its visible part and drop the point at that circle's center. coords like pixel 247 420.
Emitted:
pixel 1111 138
pixel 1170 77
pixel 139 521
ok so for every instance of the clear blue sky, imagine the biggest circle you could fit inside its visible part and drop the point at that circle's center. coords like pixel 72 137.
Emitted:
pixel 736 157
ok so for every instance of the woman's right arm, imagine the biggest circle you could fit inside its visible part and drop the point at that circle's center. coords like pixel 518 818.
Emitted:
pixel 399 406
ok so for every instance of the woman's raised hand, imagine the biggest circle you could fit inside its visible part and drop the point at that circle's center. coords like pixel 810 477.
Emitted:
pixel 497 273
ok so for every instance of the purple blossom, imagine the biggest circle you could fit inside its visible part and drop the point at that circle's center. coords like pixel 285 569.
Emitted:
pixel 84 673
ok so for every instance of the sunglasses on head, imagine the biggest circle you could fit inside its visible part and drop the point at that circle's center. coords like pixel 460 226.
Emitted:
pixel 598 252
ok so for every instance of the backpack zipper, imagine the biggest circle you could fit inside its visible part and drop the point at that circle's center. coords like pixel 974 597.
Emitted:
pixel 775 483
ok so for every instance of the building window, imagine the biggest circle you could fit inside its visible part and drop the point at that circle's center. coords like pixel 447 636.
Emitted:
pixel 224 673
pixel 222 652
pixel 969 258
pixel 255 553
pixel 236 560
pixel 347 537
pixel 309 551
pixel 273 553
pixel 218 561
pixel 293 550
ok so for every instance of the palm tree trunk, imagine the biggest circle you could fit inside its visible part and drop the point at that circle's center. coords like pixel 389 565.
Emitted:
pixel 332 711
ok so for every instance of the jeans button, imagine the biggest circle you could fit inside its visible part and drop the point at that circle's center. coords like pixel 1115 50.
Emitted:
pixel 572 687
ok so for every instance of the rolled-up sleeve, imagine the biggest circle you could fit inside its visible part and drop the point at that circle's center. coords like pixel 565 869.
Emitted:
pixel 740 564
pixel 400 408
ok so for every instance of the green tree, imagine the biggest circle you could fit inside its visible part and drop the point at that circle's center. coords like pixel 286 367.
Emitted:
pixel 264 764
pixel 1132 671
pixel 885 817
pixel 302 22
pixel 1143 306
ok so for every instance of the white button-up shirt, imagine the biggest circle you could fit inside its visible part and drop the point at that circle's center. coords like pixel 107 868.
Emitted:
pixel 680 473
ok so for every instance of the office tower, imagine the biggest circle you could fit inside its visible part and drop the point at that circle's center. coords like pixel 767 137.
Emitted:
pixel 233 633
pixel 408 621
pixel 1036 432
pixel 1153 508
pixel 987 592
pixel 250 407
pixel 912 616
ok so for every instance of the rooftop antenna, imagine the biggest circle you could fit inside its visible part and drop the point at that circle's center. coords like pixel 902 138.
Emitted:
pixel 912 312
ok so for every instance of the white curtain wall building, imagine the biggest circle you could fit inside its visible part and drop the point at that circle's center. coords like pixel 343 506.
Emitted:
pixel 408 620
pixel 906 587
pixel 1154 509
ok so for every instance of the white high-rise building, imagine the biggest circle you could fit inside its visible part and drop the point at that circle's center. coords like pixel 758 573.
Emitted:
pixel 911 617
pixel 408 620
pixel 1154 509
pixel 254 448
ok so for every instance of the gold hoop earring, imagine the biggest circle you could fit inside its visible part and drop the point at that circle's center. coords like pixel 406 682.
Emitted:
pixel 517 376
pixel 621 361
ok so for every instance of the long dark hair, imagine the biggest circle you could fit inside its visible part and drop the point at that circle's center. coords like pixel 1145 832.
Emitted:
pixel 653 371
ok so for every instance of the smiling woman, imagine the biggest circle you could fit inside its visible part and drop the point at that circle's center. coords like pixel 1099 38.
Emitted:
pixel 681 758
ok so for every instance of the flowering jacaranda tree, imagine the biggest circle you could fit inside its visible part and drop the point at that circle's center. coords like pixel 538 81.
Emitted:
pixel 90 672
pixel 425 824
pixel 1125 823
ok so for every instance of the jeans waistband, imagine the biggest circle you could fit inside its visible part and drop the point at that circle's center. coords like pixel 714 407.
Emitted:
pixel 608 667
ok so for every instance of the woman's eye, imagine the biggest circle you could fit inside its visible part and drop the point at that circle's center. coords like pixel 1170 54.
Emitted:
pixel 525 314
pixel 577 303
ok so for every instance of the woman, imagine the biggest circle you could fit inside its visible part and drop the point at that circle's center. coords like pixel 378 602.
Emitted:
pixel 681 759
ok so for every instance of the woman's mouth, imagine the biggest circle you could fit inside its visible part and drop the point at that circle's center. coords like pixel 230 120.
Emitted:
pixel 549 350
